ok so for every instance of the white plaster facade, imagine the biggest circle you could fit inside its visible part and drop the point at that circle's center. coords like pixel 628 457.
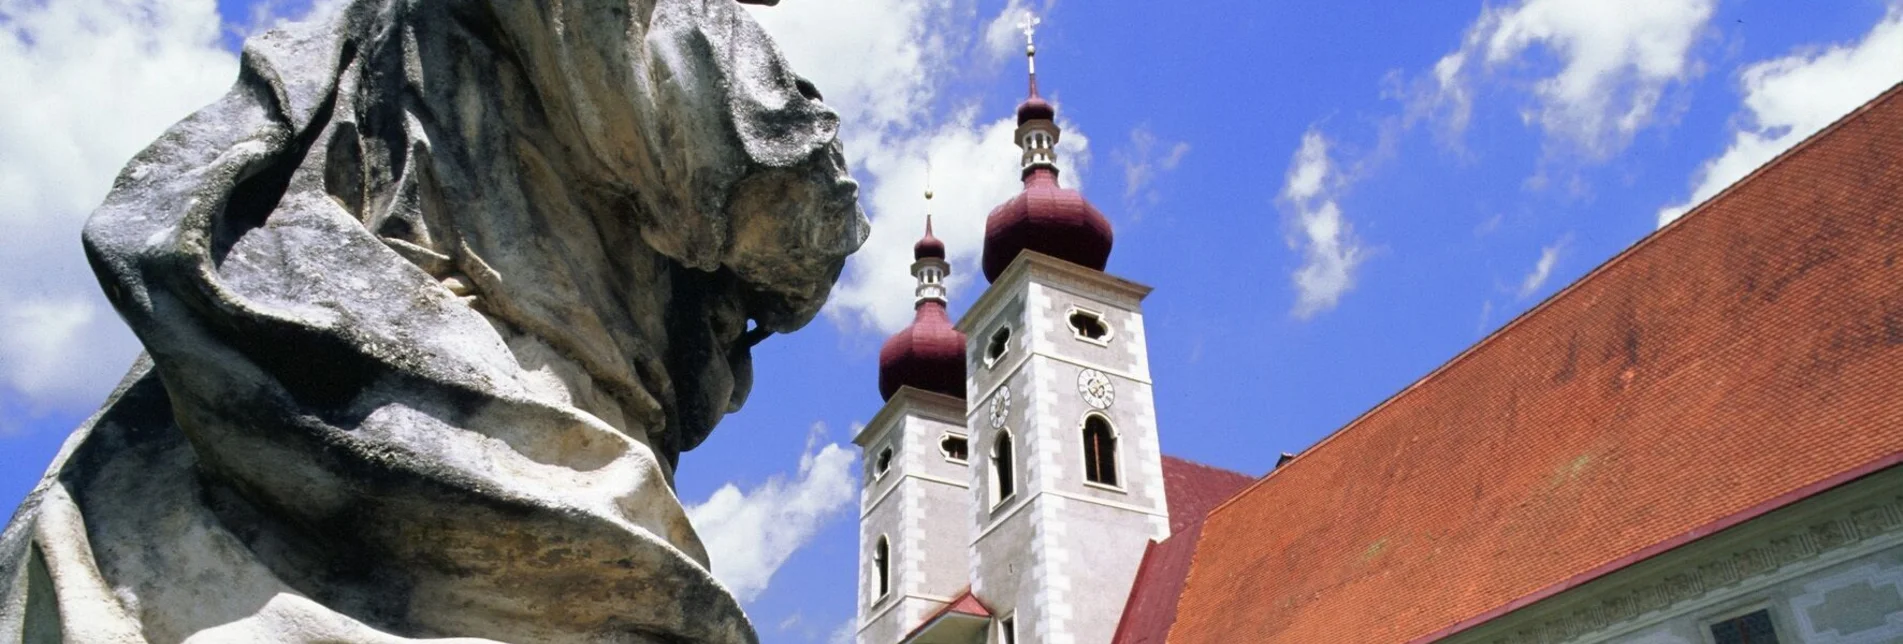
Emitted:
pixel 1056 558
pixel 912 505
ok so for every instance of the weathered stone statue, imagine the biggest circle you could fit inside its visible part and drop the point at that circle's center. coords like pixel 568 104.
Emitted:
pixel 433 301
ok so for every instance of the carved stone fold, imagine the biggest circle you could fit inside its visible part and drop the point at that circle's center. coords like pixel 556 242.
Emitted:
pixel 434 299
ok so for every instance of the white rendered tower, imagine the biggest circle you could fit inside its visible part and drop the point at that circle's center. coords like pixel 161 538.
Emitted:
pixel 1066 478
pixel 1014 478
pixel 912 531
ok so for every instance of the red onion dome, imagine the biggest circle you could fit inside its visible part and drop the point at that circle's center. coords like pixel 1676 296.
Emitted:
pixel 928 355
pixel 1035 108
pixel 929 245
pixel 1048 219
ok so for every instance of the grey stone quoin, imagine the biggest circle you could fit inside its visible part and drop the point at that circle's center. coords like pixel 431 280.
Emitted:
pixel 433 301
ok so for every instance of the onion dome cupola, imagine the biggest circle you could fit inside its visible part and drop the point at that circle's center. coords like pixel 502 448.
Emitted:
pixel 1044 217
pixel 929 354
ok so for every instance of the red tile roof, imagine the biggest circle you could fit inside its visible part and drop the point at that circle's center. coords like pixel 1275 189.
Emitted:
pixel 1151 608
pixel 1743 357
pixel 965 603
pixel 1192 490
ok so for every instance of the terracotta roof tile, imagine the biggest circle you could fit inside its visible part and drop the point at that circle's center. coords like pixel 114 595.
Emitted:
pixel 964 603
pixel 1151 608
pixel 1192 490
pixel 1746 355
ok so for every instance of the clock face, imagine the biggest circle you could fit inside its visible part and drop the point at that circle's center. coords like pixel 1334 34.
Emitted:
pixel 1000 406
pixel 1096 388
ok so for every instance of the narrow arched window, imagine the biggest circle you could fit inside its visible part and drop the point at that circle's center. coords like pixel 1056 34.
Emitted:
pixel 881 567
pixel 1003 476
pixel 1100 450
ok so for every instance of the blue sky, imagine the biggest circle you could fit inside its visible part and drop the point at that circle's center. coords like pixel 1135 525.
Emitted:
pixel 1331 199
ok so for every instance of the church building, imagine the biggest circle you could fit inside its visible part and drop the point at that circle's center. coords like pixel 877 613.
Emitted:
pixel 1696 443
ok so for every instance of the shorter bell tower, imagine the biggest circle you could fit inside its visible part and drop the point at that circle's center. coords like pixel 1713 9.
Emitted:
pixel 912 541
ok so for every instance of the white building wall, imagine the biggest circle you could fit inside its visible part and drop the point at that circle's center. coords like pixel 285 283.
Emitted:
pixel 914 504
pixel 1827 569
pixel 1060 557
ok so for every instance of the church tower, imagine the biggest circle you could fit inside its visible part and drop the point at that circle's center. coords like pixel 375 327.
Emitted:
pixel 913 533
pixel 1013 479
pixel 1066 477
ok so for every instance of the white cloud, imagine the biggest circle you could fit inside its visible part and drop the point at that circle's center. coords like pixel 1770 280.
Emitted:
pixel 1003 37
pixel 1543 269
pixel 874 60
pixel 1144 160
pixel 1331 253
pixel 750 534
pixel 974 167
pixel 1615 60
pixel 88 85
pixel 1790 98
pixel 885 65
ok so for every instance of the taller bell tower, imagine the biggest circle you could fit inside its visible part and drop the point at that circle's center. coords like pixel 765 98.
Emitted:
pixel 1066 474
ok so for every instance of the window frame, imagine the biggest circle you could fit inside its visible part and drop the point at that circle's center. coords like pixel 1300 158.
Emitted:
pixel 1008 628
pixel 947 453
pixel 999 500
pixel 1116 451
pixel 1740 610
pixel 1004 346
pixel 882 462
pixel 1109 332
pixel 882 569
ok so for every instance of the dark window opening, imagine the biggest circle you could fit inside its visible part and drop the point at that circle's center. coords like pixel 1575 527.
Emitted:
pixel 1000 341
pixel 880 558
pixel 1752 628
pixel 884 463
pixel 1100 451
pixel 1002 483
pixel 1089 326
pixel 1008 630
pixel 954 447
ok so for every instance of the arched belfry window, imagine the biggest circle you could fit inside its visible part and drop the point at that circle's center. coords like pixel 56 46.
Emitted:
pixel 1003 468
pixel 882 567
pixel 1100 450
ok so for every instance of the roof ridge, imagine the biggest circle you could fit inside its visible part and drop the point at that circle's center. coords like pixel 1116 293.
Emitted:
pixel 1892 93
pixel 1207 466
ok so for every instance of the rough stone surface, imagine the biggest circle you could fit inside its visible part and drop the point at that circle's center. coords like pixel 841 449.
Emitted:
pixel 432 301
